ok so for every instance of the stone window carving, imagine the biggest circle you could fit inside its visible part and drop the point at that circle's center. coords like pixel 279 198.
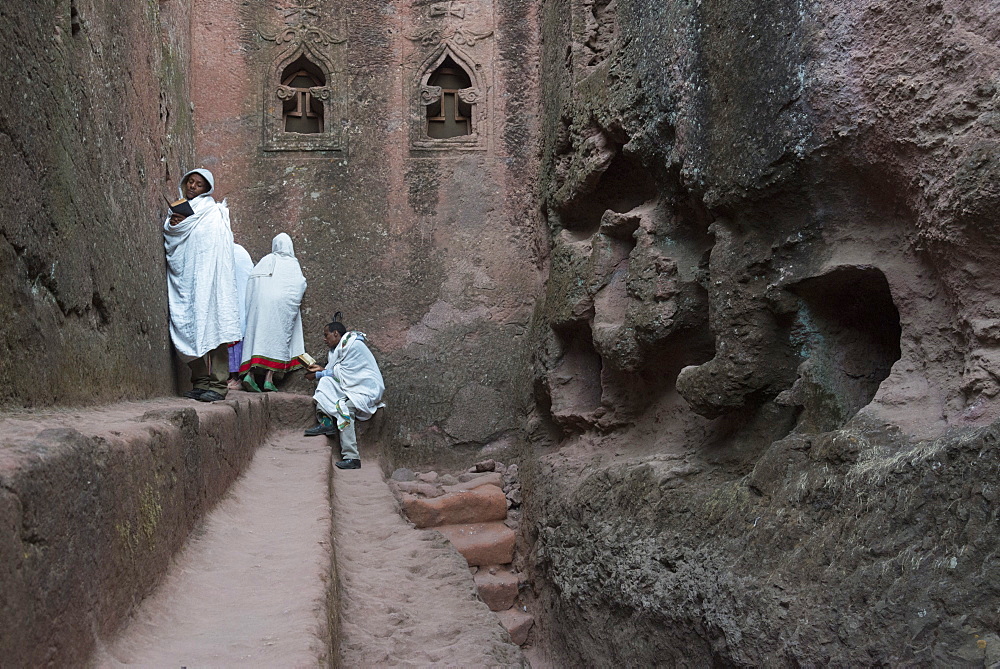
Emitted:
pixel 451 108
pixel 304 102
pixel 448 114
pixel 302 110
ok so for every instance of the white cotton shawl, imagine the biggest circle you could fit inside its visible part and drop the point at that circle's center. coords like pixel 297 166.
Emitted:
pixel 356 376
pixel 201 284
pixel 273 336
pixel 243 265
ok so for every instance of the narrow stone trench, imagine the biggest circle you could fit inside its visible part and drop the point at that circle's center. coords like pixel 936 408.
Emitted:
pixel 249 586
pixel 252 584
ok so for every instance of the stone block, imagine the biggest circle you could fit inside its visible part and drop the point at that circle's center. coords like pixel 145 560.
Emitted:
pixel 403 474
pixel 518 624
pixel 482 543
pixel 481 505
pixel 475 481
pixel 484 466
pixel 428 477
pixel 498 590
pixel 418 488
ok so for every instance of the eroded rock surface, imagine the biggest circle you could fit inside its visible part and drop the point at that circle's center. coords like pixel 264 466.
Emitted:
pixel 769 297
pixel 95 129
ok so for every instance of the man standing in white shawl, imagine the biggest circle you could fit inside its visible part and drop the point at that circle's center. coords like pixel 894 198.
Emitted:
pixel 350 388
pixel 201 286
pixel 273 339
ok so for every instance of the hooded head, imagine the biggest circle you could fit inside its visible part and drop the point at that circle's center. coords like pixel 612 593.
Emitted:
pixel 282 245
pixel 205 174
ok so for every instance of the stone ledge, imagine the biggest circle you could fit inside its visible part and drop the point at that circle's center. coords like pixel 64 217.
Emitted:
pixel 95 502
pixel 482 543
pixel 481 505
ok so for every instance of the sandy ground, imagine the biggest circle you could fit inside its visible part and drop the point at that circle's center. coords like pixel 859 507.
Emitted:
pixel 249 588
pixel 408 596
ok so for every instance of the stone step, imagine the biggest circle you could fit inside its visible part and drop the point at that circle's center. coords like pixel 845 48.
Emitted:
pixel 480 505
pixel 482 543
pixel 518 623
pixel 497 589
pixel 408 598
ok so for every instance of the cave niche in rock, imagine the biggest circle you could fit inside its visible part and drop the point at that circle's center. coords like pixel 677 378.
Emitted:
pixel 624 186
pixel 574 384
pixel 848 333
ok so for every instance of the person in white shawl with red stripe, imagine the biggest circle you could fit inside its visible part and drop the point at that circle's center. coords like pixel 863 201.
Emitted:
pixel 350 388
pixel 201 286
pixel 273 339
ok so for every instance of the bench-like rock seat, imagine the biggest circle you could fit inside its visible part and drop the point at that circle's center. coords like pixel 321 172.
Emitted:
pixel 95 502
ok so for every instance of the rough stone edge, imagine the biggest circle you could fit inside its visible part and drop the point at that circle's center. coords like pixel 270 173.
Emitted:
pixel 333 586
pixel 89 523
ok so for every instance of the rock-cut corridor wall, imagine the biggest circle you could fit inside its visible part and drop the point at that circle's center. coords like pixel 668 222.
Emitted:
pixel 95 126
pixel 737 258
pixel 767 384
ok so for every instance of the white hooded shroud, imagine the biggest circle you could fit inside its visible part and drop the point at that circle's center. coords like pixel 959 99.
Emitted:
pixel 273 336
pixel 201 284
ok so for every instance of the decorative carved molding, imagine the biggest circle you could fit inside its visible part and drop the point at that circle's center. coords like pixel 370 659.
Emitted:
pixel 321 92
pixel 449 36
pixel 470 96
pixel 285 92
pixel 468 37
pixel 300 18
pixel 429 95
pixel 429 37
pixel 452 8
pixel 300 34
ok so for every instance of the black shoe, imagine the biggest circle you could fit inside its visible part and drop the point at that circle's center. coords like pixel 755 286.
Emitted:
pixel 194 393
pixel 210 396
pixel 348 464
pixel 321 429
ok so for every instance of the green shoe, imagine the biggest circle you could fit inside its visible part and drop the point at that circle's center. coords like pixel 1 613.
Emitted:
pixel 269 387
pixel 249 384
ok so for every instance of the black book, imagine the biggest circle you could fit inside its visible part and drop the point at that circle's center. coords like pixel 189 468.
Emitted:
pixel 182 207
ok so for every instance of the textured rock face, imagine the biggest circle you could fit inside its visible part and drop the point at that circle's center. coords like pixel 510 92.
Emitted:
pixel 430 247
pixel 94 127
pixel 769 294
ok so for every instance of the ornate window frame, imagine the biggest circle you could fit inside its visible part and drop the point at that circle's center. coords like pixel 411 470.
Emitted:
pixel 423 95
pixel 333 97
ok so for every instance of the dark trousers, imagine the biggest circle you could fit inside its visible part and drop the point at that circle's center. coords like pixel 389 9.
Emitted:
pixel 211 371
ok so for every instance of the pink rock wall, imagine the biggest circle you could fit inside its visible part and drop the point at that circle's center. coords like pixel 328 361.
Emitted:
pixel 433 252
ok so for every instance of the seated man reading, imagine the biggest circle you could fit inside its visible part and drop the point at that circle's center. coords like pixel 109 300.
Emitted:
pixel 350 388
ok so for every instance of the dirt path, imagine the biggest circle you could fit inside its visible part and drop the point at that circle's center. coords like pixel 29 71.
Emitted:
pixel 249 588
pixel 408 597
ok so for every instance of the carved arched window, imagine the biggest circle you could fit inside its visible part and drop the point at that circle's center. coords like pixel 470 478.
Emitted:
pixel 302 108
pixel 449 115
pixel 449 112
